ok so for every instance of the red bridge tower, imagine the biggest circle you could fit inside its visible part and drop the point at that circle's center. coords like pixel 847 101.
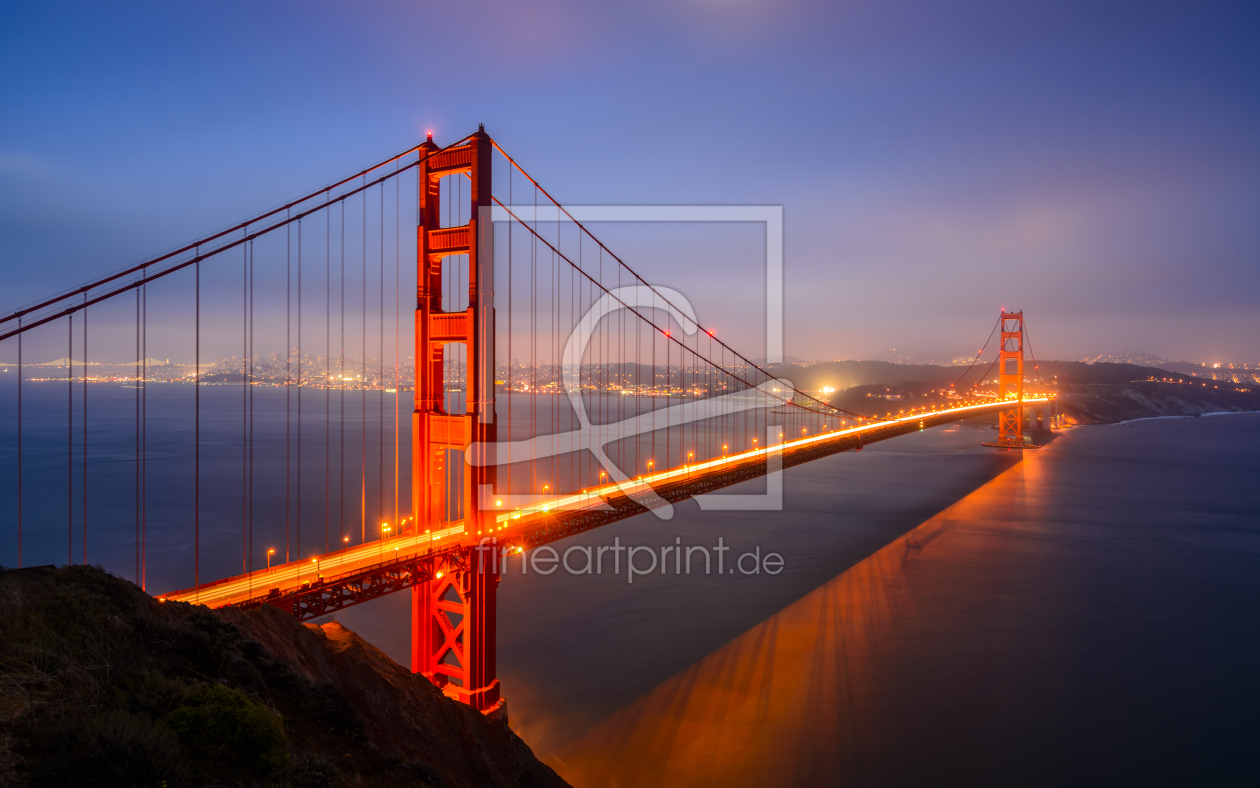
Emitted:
pixel 1011 379
pixel 453 615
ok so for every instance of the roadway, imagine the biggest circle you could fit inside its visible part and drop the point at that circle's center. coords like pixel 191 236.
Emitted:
pixel 283 582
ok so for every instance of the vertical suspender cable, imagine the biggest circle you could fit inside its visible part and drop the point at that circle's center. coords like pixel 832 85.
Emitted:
pixel 533 342
pixel 288 390
pixel 380 369
pixel 197 429
pixel 297 520
pixel 555 360
pixel 250 387
pixel 144 435
pixel 137 381
pixel 85 441
pixel 341 423
pixel 397 335
pixel 327 375
pixel 19 446
pixel 70 441
pixel 245 405
pixel 510 361
pixel 363 379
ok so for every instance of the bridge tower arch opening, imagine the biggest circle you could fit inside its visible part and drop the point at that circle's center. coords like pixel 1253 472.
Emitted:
pixel 453 614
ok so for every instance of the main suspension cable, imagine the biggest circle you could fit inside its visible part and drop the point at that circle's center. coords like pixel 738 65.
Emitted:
pixel 787 402
pixel 978 354
pixel 327 190
pixel 640 278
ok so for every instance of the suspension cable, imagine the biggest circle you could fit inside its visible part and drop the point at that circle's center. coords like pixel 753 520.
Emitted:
pixel 1028 337
pixel 297 520
pixel 245 408
pixel 327 375
pixel 139 356
pixel 210 238
pixel 144 436
pixel 787 402
pixel 288 385
pixel 70 441
pixel 83 481
pixel 21 374
pixel 636 275
pixel 363 379
pixel 978 354
pixel 148 277
pixel 197 433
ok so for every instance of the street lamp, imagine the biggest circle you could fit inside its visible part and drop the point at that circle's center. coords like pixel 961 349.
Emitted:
pixel 270 553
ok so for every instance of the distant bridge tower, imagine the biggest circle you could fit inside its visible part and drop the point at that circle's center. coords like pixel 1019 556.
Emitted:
pixel 1011 379
pixel 453 615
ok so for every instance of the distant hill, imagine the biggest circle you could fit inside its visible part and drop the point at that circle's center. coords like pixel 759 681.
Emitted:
pixel 841 375
pixel 1088 393
pixel 1101 403
pixel 1080 372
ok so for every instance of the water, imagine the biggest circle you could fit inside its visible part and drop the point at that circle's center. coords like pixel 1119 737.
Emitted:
pixel 358 462
pixel 1085 613
pixel 323 469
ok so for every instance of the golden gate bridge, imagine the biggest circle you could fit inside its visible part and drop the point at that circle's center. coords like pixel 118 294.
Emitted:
pixel 624 403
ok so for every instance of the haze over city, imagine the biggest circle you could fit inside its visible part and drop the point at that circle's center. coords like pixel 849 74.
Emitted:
pixel 1098 161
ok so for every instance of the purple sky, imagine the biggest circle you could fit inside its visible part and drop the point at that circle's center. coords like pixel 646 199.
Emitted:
pixel 1093 163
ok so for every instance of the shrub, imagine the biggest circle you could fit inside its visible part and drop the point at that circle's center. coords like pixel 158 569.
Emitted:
pixel 224 728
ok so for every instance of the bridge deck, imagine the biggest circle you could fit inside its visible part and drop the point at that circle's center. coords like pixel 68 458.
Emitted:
pixel 338 579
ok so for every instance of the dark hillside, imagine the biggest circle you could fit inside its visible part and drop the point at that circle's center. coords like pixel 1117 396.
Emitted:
pixel 1080 372
pixel 101 685
pixel 1108 404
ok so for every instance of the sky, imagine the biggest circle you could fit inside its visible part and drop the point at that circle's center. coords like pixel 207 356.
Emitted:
pixel 1095 164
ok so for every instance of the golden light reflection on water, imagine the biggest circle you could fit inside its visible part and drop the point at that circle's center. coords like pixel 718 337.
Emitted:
pixel 805 697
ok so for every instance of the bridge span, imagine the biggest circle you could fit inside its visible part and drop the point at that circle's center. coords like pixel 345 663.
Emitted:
pixel 314 587
pixel 494 278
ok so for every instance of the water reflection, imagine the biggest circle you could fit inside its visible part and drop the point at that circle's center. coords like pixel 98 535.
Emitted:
pixel 797 699
pixel 1087 616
